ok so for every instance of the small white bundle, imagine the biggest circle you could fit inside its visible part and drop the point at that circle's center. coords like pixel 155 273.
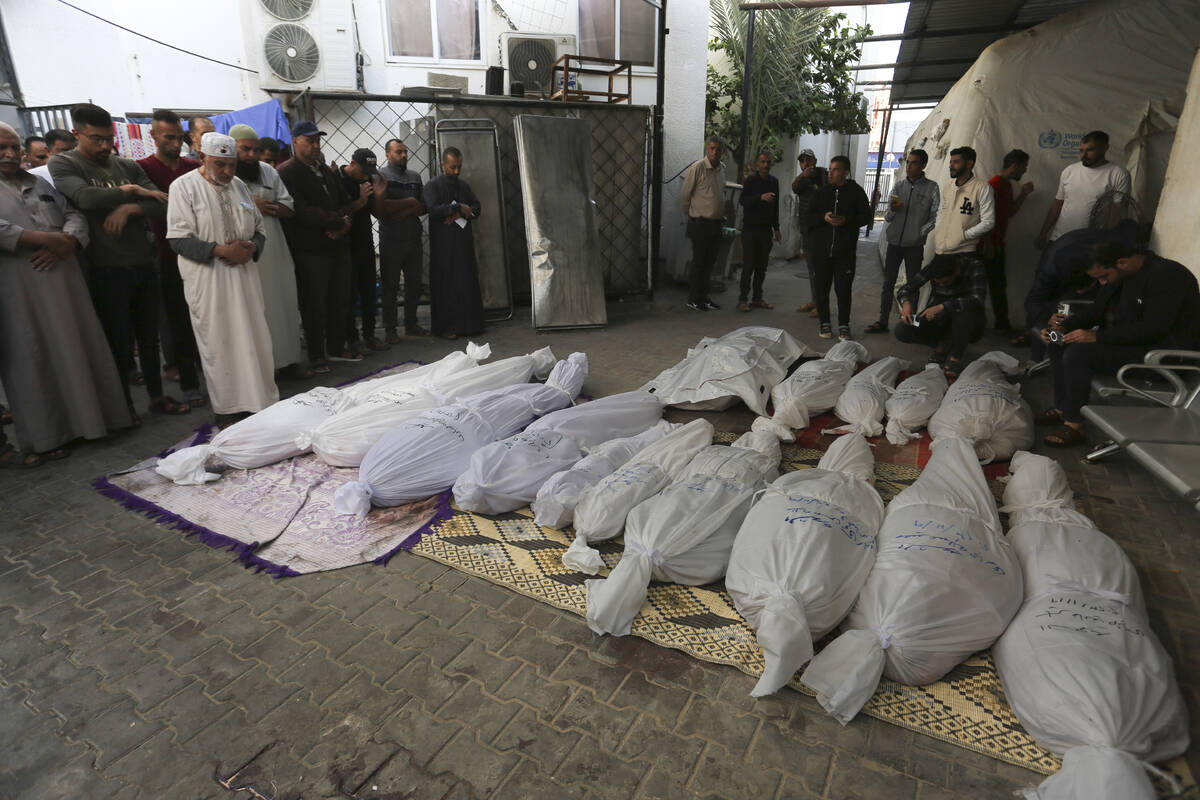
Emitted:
pixel 601 511
pixel 913 403
pixel 986 410
pixel 745 363
pixel 554 506
pixel 685 533
pixel 811 389
pixel 505 475
pixel 862 404
pixel 803 553
pixel 260 439
pixel 1081 666
pixel 945 585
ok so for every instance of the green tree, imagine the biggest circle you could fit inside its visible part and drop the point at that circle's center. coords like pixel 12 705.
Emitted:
pixel 800 76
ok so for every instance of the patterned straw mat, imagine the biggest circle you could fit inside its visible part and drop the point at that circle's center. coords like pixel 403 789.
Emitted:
pixel 966 708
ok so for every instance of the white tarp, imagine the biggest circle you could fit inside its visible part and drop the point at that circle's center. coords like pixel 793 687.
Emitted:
pixel 811 389
pixel 986 410
pixel 862 403
pixel 746 363
pixel 601 511
pixel 259 439
pixel 945 584
pixel 913 403
pixel 1174 234
pixel 802 555
pixel 344 439
pixel 1038 91
pixel 554 506
pixel 426 454
pixel 506 475
pixel 685 533
pixel 1081 666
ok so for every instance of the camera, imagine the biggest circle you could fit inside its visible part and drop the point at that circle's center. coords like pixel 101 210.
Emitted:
pixel 1054 336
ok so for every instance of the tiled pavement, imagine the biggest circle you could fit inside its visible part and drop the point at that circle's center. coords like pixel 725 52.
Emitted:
pixel 137 663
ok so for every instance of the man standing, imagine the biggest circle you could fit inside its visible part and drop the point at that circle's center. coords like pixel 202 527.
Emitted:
pixel 457 305
pixel 838 210
pixel 197 127
pixel 116 195
pixel 276 270
pixel 57 369
pixel 991 244
pixel 1079 187
pixel 760 225
pixel 59 141
pixel 360 172
pixel 702 199
pixel 1155 304
pixel 268 151
pixel 317 237
pixel 217 230
pixel 954 316
pixel 966 212
pixel 912 211
pixel 164 167
pixel 399 210
pixel 37 152
pixel 804 186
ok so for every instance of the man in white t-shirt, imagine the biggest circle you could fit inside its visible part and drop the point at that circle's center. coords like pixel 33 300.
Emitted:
pixel 1080 186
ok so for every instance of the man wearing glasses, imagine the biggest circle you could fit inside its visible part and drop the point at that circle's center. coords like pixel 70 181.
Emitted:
pixel 117 197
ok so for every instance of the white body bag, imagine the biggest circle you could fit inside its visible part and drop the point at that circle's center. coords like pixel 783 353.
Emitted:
pixel 913 403
pixel 813 388
pixel 987 410
pixel 862 404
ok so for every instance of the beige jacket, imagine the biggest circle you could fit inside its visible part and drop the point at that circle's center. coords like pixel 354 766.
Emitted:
pixel 703 192
pixel 966 213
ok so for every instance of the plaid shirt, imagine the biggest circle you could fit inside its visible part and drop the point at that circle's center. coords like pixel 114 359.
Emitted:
pixel 969 291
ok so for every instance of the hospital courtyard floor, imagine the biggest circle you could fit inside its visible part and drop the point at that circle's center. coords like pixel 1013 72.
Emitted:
pixel 135 662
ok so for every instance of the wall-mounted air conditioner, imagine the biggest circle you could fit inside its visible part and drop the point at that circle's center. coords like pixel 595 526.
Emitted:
pixel 529 57
pixel 305 44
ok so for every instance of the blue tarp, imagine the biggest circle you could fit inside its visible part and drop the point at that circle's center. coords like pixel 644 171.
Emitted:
pixel 267 119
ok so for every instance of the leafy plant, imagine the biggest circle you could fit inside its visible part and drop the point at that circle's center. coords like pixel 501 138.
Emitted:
pixel 800 78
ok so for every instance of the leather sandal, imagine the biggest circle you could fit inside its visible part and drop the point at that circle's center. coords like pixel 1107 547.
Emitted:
pixel 1066 436
pixel 1051 416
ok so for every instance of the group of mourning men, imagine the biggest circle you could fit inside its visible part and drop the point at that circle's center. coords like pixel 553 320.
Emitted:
pixel 240 257
pixel 1098 300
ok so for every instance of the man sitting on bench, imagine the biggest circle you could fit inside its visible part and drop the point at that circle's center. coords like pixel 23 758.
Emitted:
pixel 1152 303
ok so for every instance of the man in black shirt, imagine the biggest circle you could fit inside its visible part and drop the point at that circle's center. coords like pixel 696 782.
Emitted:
pixel 361 171
pixel 804 186
pixel 1154 303
pixel 760 224
pixel 954 316
pixel 838 210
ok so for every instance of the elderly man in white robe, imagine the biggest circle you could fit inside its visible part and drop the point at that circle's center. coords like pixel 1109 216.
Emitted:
pixel 216 229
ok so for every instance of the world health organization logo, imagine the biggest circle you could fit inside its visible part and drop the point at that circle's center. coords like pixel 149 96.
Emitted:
pixel 1049 139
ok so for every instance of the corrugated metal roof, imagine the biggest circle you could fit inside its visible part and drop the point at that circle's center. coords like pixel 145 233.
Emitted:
pixel 959 30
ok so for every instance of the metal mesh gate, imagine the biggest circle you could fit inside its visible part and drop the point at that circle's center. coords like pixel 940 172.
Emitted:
pixel 620 150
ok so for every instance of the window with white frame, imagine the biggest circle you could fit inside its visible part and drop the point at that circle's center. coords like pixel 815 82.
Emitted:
pixel 625 29
pixel 444 30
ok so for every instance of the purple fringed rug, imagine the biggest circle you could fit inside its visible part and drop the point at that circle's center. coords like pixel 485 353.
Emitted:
pixel 278 518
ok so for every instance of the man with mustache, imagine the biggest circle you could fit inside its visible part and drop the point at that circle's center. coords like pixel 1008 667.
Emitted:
pixel 117 196
pixel 57 369
pixel 215 227
pixel 59 141
pixel 1079 187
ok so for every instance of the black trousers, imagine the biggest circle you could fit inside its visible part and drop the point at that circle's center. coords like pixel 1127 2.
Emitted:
pixel 1076 364
pixel 706 240
pixel 398 260
pixel 323 285
pixel 756 252
pixel 835 271
pixel 179 323
pixel 911 256
pixel 993 262
pixel 950 331
pixel 126 301
pixel 361 293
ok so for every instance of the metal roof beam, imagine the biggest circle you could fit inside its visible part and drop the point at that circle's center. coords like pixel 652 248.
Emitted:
pixel 946 33
pixel 934 62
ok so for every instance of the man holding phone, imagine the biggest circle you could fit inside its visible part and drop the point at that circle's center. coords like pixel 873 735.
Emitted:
pixel 760 228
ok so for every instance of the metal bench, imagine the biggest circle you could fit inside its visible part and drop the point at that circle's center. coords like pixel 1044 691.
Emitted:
pixel 1165 436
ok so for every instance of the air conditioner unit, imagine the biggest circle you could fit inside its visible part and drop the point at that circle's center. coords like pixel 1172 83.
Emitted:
pixel 529 57
pixel 305 44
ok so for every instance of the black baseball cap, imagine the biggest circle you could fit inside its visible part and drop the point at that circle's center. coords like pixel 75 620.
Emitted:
pixel 306 127
pixel 365 158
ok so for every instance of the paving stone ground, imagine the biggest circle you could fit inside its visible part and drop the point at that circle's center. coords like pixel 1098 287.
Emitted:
pixel 135 663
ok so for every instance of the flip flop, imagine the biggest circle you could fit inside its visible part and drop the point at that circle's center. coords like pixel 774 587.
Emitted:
pixel 169 405
pixel 1066 436
pixel 1051 416
pixel 57 454
pixel 953 367
pixel 11 458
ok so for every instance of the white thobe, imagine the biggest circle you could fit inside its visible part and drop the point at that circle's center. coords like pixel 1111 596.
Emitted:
pixel 277 273
pixel 225 300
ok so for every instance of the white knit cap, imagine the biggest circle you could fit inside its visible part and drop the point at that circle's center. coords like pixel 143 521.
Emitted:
pixel 218 144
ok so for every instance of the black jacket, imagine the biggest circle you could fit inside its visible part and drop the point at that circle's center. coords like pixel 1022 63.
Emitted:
pixel 756 213
pixel 1053 271
pixel 1157 306
pixel 318 208
pixel 849 201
